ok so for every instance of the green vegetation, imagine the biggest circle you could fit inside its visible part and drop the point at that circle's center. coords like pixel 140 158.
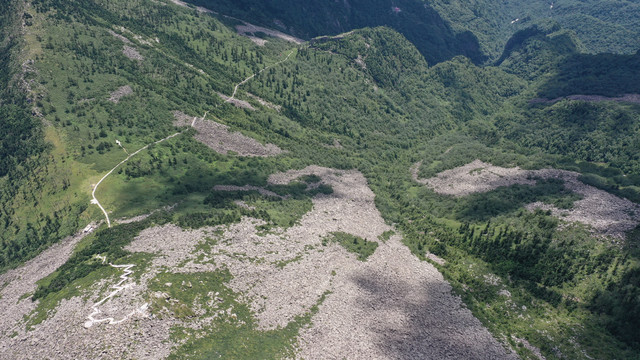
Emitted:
pixel 549 270
pixel 352 243
pixel 232 334
pixel 373 92
pixel 414 19
pixel 108 242
pixel 441 30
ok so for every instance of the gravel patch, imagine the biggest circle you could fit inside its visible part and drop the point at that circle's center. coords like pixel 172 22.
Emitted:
pixel 120 37
pixel 218 137
pixel 198 8
pixel 121 92
pixel 396 307
pixel 265 103
pixel 250 30
pixel 475 177
pixel 182 119
pixel 236 102
pixel 63 336
pixel 435 258
pixel 391 306
pixel 132 53
pixel 605 213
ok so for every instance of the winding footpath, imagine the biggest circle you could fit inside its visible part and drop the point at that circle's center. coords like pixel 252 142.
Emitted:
pixel 93 193
pixel 120 286
pixel 117 288
pixel 127 267
pixel 235 89
pixel 95 201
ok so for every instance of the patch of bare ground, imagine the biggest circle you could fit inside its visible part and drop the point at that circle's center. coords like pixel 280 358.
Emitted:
pixel 65 334
pixel 628 98
pixel 132 53
pixel 218 137
pixel 391 306
pixel 265 103
pixel 336 145
pixel 250 30
pixel 361 61
pixel 474 177
pixel 435 258
pixel 144 216
pixel 237 102
pixel 121 92
pixel 182 119
pixel 120 37
pixel 604 213
pixel 198 8
pixel 125 40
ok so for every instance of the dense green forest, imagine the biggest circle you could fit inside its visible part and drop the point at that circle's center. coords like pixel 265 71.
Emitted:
pixel 406 85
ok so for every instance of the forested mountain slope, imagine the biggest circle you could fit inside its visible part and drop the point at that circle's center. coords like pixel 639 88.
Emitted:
pixel 235 193
pixel 440 30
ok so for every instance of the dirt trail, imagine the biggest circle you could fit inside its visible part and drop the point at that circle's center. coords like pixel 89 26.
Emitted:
pixel 118 287
pixel 95 201
pixel 235 89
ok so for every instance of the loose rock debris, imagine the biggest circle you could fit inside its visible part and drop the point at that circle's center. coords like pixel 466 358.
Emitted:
pixel 391 306
pixel 132 53
pixel 218 137
pixel 120 93
pixel 265 103
pixel 605 213
pixel 120 37
pixel 237 102
pixel 250 30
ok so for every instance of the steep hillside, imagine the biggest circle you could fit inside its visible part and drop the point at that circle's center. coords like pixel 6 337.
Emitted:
pixel 608 26
pixel 441 30
pixel 193 185
pixel 416 20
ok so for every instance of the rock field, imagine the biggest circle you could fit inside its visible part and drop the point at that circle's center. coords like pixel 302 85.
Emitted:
pixel 392 306
pixel 605 213
pixel 218 137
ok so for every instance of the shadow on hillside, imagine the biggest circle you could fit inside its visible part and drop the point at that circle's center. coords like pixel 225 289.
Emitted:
pixel 601 74
pixel 418 22
pixel 422 323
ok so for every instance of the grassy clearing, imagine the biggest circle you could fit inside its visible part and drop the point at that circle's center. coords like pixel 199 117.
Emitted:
pixel 355 244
